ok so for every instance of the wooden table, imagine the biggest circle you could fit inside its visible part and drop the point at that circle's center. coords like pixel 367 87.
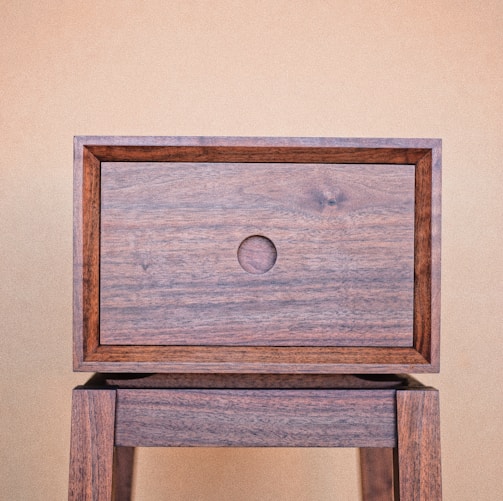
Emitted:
pixel 247 279
pixel 393 420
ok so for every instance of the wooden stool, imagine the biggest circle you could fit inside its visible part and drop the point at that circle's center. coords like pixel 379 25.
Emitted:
pixel 394 422
pixel 249 277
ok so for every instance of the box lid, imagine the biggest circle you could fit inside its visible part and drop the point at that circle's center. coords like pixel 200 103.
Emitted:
pixel 208 254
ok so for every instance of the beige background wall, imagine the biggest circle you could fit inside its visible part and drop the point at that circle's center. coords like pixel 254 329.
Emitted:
pixel 295 68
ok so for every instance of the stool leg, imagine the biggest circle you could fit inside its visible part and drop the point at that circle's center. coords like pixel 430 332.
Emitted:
pixel 123 473
pixel 418 452
pixel 92 444
pixel 376 466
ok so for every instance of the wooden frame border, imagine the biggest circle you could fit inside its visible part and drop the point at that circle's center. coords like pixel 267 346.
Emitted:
pixel 89 355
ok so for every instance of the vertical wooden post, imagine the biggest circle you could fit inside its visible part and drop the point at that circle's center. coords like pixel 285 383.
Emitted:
pixel 92 444
pixel 418 452
pixel 376 467
pixel 123 473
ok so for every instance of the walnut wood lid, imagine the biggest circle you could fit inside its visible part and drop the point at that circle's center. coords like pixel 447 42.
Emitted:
pixel 256 255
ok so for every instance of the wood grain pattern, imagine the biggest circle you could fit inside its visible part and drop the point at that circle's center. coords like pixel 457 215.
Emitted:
pixel 92 444
pixel 123 470
pixel 422 267
pixel 86 248
pixel 109 147
pixel 394 420
pixel 91 225
pixel 256 381
pixel 208 359
pixel 376 469
pixel 171 232
pixel 256 153
pixel 256 418
pixel 419 468
pixel 436 227
pixel 257 254
pixel 422 356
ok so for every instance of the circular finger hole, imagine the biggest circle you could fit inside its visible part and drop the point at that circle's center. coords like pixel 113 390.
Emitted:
pixel 257 254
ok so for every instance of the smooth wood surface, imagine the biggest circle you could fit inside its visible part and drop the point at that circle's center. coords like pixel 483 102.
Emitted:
pixel 418 455
pixel 252 150
pixel 255 381
pixel 376 470
pixel 395 426
pixel 257 254
pixel 86 248
pixel 419 354
pixel 429 345
pixel 122 485
pixel 228 359
pixel 256 418
pixel 170 234
pixel 92 445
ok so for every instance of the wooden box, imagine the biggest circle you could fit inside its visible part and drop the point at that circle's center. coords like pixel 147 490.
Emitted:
pixel 256 255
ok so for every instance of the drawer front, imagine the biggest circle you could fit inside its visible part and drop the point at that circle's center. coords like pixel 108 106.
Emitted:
pixel 174 268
